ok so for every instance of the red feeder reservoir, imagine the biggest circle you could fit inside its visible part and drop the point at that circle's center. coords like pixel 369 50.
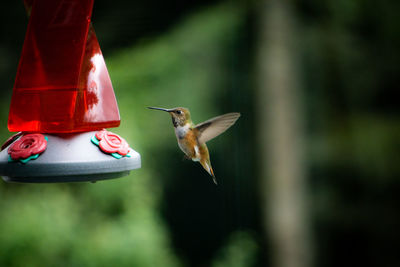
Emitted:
pixel 62 100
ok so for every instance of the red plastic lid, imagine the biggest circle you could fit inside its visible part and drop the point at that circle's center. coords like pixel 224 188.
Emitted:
pixel 62 83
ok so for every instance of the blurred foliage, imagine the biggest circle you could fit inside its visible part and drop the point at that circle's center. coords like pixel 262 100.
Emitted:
pixel 240 251
pixel 98 224
pixel 350 72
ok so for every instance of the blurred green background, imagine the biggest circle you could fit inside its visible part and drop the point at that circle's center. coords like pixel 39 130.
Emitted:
pixel 205 55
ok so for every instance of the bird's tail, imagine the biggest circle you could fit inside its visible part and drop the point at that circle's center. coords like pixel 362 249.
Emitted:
pixel 207 166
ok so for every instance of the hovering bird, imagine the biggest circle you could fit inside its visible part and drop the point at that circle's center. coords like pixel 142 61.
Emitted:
pixel 192 138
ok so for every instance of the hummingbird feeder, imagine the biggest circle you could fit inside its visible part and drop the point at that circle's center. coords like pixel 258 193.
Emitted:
pixel 62 102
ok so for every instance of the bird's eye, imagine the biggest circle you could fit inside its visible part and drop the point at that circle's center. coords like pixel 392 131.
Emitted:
pixel 178 112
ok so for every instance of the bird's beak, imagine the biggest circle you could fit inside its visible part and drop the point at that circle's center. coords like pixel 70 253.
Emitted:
pixel 162 109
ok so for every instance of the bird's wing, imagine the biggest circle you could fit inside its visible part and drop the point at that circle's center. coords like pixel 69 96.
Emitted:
pixel 215 126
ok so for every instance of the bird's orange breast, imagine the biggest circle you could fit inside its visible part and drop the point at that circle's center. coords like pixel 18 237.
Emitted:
pixel 188 143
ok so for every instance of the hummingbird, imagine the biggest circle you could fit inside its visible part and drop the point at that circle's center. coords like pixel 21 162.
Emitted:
pixel 192 138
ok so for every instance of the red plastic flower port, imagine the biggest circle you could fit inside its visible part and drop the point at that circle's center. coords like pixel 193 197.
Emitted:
pixel 27 146
pixel 112 143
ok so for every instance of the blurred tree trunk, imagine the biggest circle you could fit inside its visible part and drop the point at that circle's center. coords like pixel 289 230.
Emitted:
pixel 281 138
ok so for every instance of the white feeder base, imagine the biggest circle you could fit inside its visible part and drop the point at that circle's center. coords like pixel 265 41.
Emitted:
pixel 68 158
